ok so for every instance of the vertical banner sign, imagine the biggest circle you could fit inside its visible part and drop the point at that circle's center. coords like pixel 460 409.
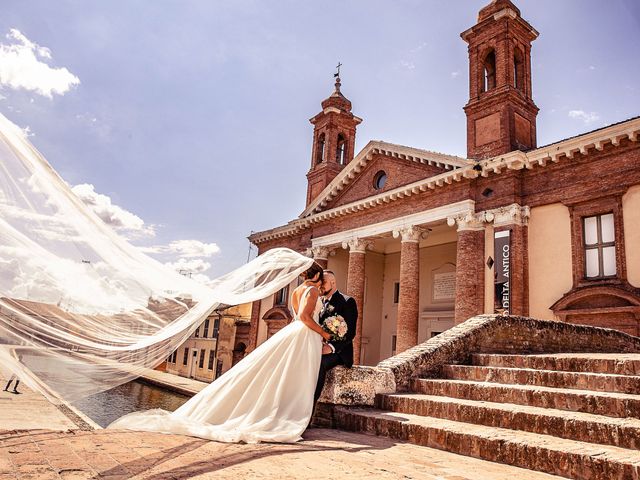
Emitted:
pixel 502 254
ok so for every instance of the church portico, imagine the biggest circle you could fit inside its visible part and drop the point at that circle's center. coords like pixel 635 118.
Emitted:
pixel 406 282
pixel 424 240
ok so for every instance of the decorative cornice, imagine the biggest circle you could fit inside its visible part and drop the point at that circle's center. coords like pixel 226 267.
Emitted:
pixel 374 147
pixel 425 217
pixel 410 233
pixel 357 245
pixel 561 151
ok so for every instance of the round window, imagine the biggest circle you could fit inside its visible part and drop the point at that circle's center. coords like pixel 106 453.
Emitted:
pixel 379 180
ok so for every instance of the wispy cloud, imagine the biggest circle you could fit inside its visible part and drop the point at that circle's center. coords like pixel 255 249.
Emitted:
pixel 455 74
pixel 128 224
pixel 408 65
pixel 23 66
pixel 586 117
pixel 185 248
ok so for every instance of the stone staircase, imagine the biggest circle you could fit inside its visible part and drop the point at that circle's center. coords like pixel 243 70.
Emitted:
pixel 572 415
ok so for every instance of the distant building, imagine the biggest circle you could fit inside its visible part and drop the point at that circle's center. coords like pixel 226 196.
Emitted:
pixel 424 240
pixel 214 347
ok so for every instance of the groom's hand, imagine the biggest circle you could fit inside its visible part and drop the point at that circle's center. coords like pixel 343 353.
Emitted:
pixel 326 349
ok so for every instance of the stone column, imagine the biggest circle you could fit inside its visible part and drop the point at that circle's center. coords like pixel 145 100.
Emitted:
pixel 355 285
pixel 469 266
pixel 408 303
pixel 321 255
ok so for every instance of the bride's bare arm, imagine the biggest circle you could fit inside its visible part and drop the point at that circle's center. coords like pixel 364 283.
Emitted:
pixel 306 315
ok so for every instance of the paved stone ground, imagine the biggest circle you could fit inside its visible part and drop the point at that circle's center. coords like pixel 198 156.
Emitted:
pixel 324 454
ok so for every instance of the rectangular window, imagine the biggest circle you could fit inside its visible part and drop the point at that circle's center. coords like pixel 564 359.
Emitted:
pixel 201 362
pixel 174 356
pixel 216 327
pixel 186 357
pixel 210 366
pixel 205 334
pixel 394 338
pixel 282 296
pixel 197 334
pixel 599 246
pixel 396 292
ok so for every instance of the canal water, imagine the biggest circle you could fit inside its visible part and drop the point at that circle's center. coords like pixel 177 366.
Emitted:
pixel 103 408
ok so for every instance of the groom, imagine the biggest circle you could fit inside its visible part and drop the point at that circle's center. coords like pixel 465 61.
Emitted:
pixel 339 352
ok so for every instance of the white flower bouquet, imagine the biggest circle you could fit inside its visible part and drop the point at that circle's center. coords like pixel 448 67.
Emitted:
pixel 336 326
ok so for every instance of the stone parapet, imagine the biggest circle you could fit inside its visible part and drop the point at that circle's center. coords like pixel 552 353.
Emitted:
pixel 502 334
pixel 357 385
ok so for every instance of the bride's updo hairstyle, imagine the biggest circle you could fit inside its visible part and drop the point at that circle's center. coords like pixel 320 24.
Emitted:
pixel 314 273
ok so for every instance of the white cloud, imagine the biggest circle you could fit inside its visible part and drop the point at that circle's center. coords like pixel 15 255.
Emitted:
pixel 191 265
pixel 125 222
pixel 586 117
pixel 419 47
pixel 185 249
pixel 455 74
pixel 22 67
pixel 187 257
pixel 407 65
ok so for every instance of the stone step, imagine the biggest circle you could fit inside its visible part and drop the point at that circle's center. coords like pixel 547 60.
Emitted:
pixel 558 456
pixel 619 432
pixel 611 363
pixel 550 378
pixel 588 401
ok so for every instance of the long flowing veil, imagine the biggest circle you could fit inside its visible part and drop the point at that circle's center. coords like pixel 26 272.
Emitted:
pixel 82 310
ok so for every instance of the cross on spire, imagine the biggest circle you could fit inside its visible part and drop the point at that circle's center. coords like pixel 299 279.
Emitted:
pixel 337 74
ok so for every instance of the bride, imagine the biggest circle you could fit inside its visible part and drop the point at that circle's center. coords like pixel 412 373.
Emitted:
pixel 267 396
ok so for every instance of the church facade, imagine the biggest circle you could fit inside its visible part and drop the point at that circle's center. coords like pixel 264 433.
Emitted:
pixel 424 240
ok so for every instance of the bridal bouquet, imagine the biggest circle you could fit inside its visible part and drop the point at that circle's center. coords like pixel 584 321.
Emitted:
pixel 336 326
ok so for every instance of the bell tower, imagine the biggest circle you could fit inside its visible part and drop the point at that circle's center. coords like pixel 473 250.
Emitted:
pixel 334 139
pixel 501 114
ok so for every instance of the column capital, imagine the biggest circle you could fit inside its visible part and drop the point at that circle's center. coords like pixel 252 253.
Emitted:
pixel 468 221
pixel 410 233
pixel 357 245
pixel 321 252
pixel 513 214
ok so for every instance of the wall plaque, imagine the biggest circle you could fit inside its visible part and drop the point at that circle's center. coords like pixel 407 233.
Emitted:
pixel 444 286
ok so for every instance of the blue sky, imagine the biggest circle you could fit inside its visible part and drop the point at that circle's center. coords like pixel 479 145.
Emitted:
pixel 190 117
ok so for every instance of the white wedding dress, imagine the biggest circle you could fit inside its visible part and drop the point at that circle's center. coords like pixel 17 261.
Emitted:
pixel 266 397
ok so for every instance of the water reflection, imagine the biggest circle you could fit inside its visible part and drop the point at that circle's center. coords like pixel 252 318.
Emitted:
pixel 103 408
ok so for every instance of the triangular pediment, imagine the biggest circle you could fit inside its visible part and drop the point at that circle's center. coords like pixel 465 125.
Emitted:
pixel 401 165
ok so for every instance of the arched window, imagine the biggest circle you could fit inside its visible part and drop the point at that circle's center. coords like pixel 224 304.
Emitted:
pixel 489 71
pixel 518 69
pixel 341 147
pixel 320 149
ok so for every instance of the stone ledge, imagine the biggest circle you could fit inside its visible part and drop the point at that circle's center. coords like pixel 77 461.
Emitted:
pixel 357 385
pixel 481 334
pixel 503 334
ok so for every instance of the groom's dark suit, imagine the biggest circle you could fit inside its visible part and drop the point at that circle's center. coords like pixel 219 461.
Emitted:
pixel 338 304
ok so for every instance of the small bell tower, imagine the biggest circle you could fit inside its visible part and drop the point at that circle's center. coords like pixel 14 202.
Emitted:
pixel 334 139
pixel 501 114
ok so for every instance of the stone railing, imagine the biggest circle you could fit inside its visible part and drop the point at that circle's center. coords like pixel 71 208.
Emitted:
pixel 480 334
